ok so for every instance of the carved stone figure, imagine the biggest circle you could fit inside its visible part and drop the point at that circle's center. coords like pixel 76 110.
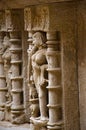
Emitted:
pixel 7 69
pixel 7 66
pixel 39 66
pixel 3 88
pixel 34 107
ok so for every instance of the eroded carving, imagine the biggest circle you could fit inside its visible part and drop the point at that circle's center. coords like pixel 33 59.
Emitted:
pixel 36 18
pixel 54 87
pixel 27 18
pixel 3 89
pixel 7 70
pixel 2 20
pixel 41 19
pixel 45 75
pixel 7 66
pixel 14 27
pixel 39 72
pixel 13 20
pixel 17 107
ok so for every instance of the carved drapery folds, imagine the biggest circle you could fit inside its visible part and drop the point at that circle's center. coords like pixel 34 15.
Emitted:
pixel 44 70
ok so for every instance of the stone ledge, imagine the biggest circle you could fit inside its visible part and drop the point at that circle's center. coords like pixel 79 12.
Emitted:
pixel 23 3
pixel 4 125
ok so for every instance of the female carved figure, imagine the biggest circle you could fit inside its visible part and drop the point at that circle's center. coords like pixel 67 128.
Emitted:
pixel 39 66
pixel 7 57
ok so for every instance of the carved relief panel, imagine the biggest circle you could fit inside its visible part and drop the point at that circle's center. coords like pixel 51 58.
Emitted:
pixel 44 70
pixel 39 73
pixel 13 20
pixel 36 18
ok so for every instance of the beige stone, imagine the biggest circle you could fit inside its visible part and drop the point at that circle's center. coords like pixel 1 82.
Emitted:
pixel 42 63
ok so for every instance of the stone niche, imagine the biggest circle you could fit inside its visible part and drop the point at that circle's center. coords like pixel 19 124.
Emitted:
pixel 11 80
pixel 48 24
pixel 38 66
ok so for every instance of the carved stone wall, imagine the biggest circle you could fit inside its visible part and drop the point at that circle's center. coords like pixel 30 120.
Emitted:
pixel 11 65
pixel 81 47
pixel 41 68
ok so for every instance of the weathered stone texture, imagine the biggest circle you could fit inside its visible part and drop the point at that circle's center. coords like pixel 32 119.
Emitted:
pixel 24 73
pixel 82 62
pixel 4 4
pixel 69 19
pixel 64 20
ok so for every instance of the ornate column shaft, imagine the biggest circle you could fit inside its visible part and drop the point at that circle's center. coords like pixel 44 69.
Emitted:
pixel 14 28
pixel 3 88
pixel 16 78
pixel 54 86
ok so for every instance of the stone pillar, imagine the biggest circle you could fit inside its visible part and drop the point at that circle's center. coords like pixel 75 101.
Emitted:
pixel 17 91
pixel 14 27
pixel 3 88
pixel 54 86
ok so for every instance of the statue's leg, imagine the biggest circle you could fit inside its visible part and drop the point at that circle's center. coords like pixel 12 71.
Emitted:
pixel 43 103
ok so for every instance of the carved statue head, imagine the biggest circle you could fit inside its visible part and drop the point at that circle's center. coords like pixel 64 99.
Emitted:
pixel 6 42
pixel 39 39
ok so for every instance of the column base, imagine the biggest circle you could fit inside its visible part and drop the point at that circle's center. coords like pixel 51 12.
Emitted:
pixel 37 124
pixel 34 127
pixel 17 107
pixel 18 118
pixel 55 126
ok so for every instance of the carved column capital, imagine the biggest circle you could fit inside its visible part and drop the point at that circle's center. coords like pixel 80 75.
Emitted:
pixel 2 20
pixel 13 20
pixel 36 18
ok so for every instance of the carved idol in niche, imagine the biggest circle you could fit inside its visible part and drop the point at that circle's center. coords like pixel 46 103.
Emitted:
pixel 7 67
pixel 39 72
